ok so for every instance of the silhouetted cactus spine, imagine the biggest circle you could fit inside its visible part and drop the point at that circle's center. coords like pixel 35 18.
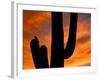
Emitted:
pixel 58 53
pixel 39 54
pixel 57 46
pixel 72 36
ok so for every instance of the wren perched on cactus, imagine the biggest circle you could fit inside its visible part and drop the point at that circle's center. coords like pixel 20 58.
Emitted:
pixel 58 53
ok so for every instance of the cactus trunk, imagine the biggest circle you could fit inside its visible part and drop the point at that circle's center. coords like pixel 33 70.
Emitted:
pixel 57 46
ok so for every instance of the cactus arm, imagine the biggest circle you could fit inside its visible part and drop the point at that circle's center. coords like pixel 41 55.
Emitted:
pixel 34 44
pixel 39 55
pixel 43 57
pixel 72 36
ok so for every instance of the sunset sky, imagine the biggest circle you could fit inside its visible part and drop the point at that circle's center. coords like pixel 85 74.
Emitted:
pixel 38 23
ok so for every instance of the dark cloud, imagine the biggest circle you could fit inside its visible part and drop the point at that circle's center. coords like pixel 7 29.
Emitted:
pixel 83 39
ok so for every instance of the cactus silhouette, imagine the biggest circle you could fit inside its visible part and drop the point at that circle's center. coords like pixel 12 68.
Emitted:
pixel 57 46
pixel 39 54
pixel 68 51
pixel 58 53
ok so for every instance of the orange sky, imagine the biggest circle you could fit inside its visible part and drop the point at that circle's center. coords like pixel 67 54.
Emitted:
pixel 38 23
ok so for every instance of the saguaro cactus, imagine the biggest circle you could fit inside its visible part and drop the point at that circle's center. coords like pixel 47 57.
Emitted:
pixel 58 53
pixel 39 54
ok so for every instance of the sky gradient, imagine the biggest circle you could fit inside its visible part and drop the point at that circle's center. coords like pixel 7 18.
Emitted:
pixel 38 23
